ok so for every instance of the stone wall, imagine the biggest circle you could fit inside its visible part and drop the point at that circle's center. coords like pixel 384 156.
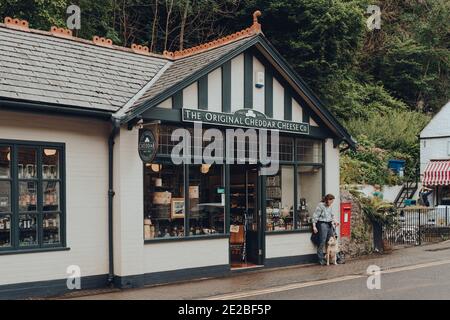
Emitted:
pixel 361 240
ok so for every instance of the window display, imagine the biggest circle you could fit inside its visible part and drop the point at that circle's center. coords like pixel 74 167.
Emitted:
pixel 5 196
pixel 5 231
pixel 5 162
pixel 33 215
pixel 206 200
pixel 163 201
pixel 51 228
pixel 309 193
pixel 27 160
pixel 27 196
pixel 309 151
pixel 28 233
pixel 280 200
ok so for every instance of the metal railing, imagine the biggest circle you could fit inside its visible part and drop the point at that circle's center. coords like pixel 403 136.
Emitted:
pixel 415 226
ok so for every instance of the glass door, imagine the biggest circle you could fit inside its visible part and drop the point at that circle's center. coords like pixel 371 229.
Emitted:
pixel 245 216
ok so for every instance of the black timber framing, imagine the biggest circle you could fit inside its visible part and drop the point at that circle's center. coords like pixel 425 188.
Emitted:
pixel 259 43
pixel 202 91
pixel 226 87
pixel 268 93
pixel 248 79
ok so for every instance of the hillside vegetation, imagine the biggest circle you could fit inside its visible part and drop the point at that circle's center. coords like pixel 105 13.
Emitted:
pixel 384 85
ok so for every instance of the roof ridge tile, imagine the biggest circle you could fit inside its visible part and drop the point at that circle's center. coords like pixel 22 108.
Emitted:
pixel 23 25
pixel 254 29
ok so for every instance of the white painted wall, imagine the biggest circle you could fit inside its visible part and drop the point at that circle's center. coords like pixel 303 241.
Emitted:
pixel 439 126
pixel 215 90
pixel 168 256
pixel 312 122
pixel 434 149
pixel 237 83
pixel 297 111
pixel 86 201
pixel 278 100
pixel 167 104
pixel 258 93
pixel 128 205
pixel 190 96
pixel 389 192
pixel 288 245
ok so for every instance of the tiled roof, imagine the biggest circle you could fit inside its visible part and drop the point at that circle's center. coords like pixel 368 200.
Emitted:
pixel 181 69
pixel 56 68
pixel 39 67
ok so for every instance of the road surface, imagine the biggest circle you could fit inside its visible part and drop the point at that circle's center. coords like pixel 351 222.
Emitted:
pixel 410 273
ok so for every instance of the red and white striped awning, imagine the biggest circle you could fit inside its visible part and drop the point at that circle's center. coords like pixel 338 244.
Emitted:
pixel 437 173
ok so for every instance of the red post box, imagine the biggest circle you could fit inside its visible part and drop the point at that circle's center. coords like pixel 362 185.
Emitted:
pixel 346 215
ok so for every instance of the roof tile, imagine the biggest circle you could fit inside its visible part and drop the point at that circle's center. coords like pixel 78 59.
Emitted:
pixel 55 70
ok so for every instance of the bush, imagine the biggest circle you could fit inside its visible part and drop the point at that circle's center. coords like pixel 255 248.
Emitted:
pixel 369 165
pixel 376 210
pixel 393 130
pixel 383 136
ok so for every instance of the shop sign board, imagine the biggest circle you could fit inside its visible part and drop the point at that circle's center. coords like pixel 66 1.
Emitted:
pixel 148 146
pixel 247 118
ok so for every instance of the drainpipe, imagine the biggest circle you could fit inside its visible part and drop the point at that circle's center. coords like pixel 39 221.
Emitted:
pixel 115 130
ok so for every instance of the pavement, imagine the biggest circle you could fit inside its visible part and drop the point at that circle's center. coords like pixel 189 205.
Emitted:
pixel 421 272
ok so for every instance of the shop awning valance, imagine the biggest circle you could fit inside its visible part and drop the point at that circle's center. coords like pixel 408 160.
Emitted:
pixel 437 173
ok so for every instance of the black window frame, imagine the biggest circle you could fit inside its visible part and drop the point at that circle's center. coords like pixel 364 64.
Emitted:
pixel 15 213
pixel 296 163
pixel 163 157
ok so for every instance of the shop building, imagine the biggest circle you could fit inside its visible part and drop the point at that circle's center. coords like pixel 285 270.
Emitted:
pixel 435 157
pixel 87 182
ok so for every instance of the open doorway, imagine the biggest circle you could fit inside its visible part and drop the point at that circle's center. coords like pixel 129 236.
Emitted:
pixel 245 221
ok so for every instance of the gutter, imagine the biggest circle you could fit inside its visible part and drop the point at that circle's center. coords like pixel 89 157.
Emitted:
pixel 111 141
pixel 16 105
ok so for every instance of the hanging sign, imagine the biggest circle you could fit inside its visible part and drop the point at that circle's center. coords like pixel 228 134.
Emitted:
pixel 247 118
pixel 148 146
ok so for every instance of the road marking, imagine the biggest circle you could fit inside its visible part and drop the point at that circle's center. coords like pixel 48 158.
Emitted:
pixel 417 266
pixel 253 293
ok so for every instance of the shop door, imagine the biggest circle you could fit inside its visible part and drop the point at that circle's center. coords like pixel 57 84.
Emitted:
pixel 245 216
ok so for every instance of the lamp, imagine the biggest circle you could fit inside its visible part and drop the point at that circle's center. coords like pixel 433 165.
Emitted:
pixel 49 152
pixel 156 167
pixel 8 156
pixel 205 168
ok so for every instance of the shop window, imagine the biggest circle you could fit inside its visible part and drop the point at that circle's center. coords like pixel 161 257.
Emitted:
pixel 309 151
pixel 285 148
pixel 309 193
pixel 280 200
pixel 5 196
pixel 31 206
pixel 444 196
pixel 163 201
pixel 206 200
pixel 165 140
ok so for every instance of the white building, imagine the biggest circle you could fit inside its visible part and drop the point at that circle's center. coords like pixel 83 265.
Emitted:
pixel 435 156
pixel 86 177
